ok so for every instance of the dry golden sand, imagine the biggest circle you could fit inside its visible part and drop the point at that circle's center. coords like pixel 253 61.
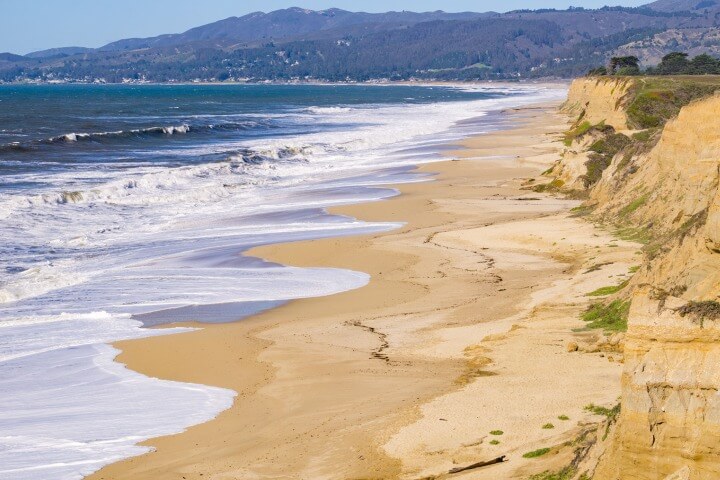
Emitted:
pixel 461 330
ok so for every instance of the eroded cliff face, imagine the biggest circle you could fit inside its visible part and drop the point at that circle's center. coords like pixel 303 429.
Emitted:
pixel 669 424
pixel 597 106
pixel 662 188
pixel 677 178
pixel 598 100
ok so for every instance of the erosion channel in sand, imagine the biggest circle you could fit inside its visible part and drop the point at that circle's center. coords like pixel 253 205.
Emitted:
pixel 462 330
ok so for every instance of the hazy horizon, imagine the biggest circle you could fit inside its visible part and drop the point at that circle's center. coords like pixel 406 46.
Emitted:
pixel 31 25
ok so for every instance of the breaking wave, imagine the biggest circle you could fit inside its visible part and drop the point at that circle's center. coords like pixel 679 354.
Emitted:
pixel 164 131
pixel 189 183
pixel 74 137
pixel 328 110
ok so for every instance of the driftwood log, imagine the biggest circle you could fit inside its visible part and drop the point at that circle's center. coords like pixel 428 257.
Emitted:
pixel 478 465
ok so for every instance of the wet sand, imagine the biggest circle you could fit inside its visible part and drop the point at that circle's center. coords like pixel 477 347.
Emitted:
pixel 461 330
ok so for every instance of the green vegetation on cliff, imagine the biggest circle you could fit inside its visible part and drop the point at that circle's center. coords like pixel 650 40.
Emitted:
pixel 576 132
pixel 609 290
pixel 648 104
pixel 602 152
pixel 654 100
pixel 609 317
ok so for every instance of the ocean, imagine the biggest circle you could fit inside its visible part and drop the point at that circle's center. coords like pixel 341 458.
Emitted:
pixel 129 206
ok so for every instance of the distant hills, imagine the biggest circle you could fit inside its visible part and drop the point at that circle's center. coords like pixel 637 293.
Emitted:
pixel 682 5
pixel 291 23
pixel 59 52
pixel 337 45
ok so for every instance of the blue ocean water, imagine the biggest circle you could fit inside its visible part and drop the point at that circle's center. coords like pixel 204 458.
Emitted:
pixel 129 205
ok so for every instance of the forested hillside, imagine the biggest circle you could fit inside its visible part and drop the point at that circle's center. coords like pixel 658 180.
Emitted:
pixel 336 45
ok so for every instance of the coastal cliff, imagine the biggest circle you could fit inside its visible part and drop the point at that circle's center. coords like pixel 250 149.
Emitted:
pixel 645 156
pixel 598 100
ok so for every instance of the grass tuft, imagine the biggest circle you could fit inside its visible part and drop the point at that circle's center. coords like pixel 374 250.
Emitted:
pixel 611 317
pixel 581 211
pixel 536 453
pixel 610 413
pixel 634 205
pixel 496 432
pixel 645 135
pixel 578 131
pixel 631 234
pixel 609 290
pixel 553 186
pixel 610 145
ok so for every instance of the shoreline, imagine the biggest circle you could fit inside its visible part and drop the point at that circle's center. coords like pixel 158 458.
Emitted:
pixel 352 385
pixel 555 82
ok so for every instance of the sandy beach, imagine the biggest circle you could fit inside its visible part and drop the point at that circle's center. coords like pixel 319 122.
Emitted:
pixel 462 330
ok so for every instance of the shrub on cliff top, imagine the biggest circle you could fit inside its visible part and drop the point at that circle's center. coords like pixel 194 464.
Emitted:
pixel 652 109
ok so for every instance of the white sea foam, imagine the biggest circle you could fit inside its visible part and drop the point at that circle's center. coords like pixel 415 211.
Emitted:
pixel 180 129
pixel 65 413
pixel 329 110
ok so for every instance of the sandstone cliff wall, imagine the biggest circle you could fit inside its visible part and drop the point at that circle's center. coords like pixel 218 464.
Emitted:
pixel 591 101
pixel 678 177
pixel 663 187
pixel 671 194
pixel 669 424
pixel 598 100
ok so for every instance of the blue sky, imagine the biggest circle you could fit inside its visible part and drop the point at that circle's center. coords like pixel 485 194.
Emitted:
pixel 29 25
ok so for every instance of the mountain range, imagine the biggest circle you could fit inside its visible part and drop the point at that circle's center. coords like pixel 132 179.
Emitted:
pixel 338 45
